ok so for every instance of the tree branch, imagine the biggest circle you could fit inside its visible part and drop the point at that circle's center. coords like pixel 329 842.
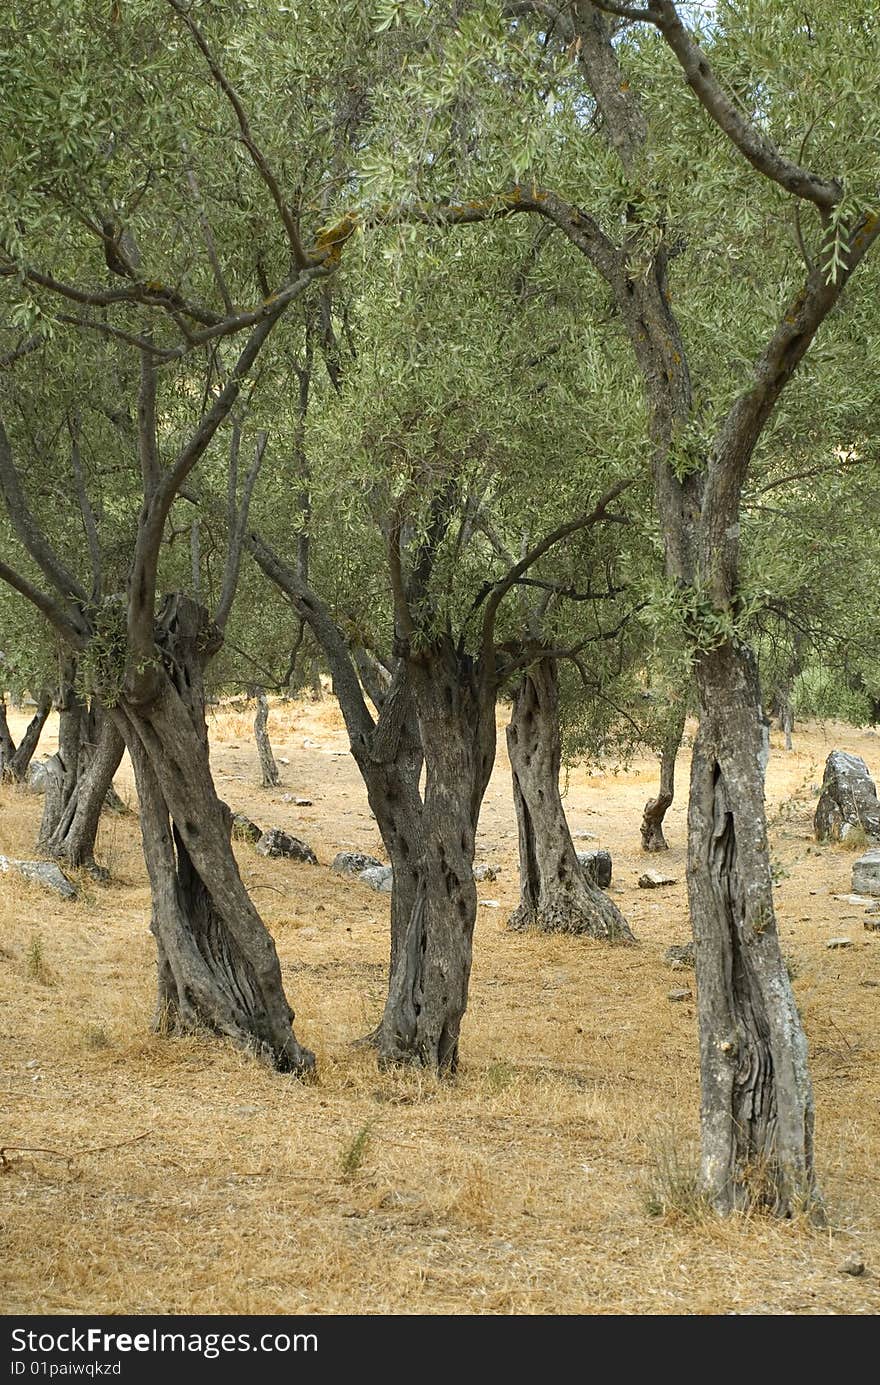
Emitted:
pixel 258 158
pixel 743 133
pixel 31 537
pixel 499 590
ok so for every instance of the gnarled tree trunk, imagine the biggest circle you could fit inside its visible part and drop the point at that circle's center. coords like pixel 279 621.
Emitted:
pixel 556 895
pixel 429 986
pixel 268 767
pixel 15 762
pixel 657 808
pixel 74 836
pixel 217 964
pixel 757 1102
pixel 62 768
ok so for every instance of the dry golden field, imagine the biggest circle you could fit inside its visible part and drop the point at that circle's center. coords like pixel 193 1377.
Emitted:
pixel 543 1179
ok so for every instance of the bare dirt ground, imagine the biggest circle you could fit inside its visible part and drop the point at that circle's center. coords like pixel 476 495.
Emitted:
pixel 523 1186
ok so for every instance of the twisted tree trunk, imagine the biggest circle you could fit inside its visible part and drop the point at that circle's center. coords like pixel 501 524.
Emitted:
pixel 429 986
pixel 757 1102
pixel 74 836
pixel 62 768
pixel 556 896
pixel 268 767
pixel 15 762
pixel 217 964
pixel 657 808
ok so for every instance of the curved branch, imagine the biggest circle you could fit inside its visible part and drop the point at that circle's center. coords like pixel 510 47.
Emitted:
pixel 742 132
pixel 258 158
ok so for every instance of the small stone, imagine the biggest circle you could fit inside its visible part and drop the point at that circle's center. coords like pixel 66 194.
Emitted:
pixel 597 865
pixel 283 760
pixel 379 878
pixel 866 873
pixel 32 1063
pixel 872 925
pixel 854 1265
pixel 839 942
pixel 353 862
pixel 44 873
pixel 302 803
pixel 244 830
pixel 683 994
pixel 653 880
pixel 245 1110
pixel 275 842
pixel 585 837
pixel 680 955
pixel 486 872
pixel 491 903
pixel 37 777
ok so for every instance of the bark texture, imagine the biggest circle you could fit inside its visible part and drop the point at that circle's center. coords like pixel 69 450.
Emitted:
pixel 62 768
pixel 757 1101
pixel 217 964
pixel 657 808
pixel 76 829
pixel 429 984
pixel 556 894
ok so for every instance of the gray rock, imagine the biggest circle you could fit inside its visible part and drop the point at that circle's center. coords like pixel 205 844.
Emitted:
pixel 44 873
pixel 678 996
pixel 653 880
pixel 680 954
pixel 597 865
pixel 872 924
pixel 297 802
pixel 353 862
pixel 854 1265
pixel 866 873
pixel 274 842
pixel 37 776
pixel 379 878
pixel 486 872
pixel 848 799
pixel 835 943
pixel 244 830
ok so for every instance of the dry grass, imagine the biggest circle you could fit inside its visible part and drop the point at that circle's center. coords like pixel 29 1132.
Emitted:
pixel 527 1185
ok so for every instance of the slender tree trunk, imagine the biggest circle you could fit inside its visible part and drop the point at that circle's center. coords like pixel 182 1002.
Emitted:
pixel 217 964
pixel 556 895
pixel 74 837
pixel 62 768
pixel 391 767
pixel 757 1102
pixel 268 767
pixel 15 763
pixel 429 986
pixel 657 808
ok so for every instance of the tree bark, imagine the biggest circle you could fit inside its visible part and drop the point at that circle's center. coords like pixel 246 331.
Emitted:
pixel 429 985
pixel 62 768
pixel 15 762
pixel 73 839
pixel 268 767
pixel 556 895
pixel 757 1102
pixel 217 964
pixel 657 808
